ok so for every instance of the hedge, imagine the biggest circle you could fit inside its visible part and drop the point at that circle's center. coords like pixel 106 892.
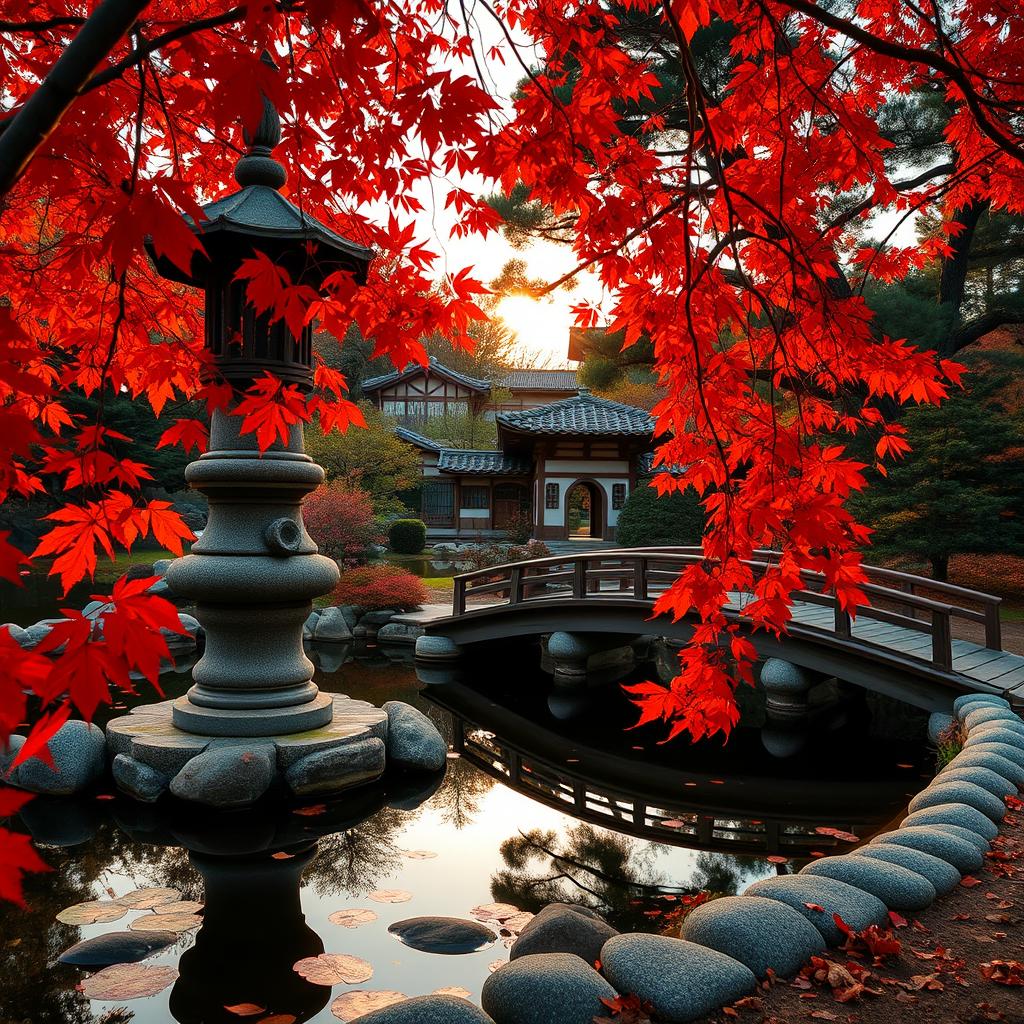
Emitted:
pixel 647 520
pixel 408 536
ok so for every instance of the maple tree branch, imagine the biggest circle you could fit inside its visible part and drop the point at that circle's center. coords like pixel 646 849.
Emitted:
pixel 976 328
pixel 42 25
pixel 900 186
pixel 916 55
pixel 29 128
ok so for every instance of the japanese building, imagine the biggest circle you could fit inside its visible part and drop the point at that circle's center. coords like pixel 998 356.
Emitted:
pixel 563 469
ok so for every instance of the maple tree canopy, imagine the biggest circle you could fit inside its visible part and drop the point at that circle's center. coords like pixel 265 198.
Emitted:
pixel 709 161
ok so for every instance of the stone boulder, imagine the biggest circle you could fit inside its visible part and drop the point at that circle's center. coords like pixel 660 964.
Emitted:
pixel 138 780
pixel 987 699
pixel 954 814
pixel 399 633
pixel 309 626
pixel 681 980
pixel 943 876
pixel 429 1010
pixel 938 724
pixel 980 776
pixel 413 739
pixel 986 759
pixel 337 768
pixel 995 733
pixel 898 888
pixel 547 988
pixel 35 634
pixel 79 752
pixel 942 791
pixel 17 634
pixel 332 627
pixel 9 751
pixel 761 933
pixel 117 948
pixel 983 741
pixel 446 935
pixel 161 565
pixel 988 715
pixel 227 776
pixel 561 928
pixel 805 893
pixel 963 855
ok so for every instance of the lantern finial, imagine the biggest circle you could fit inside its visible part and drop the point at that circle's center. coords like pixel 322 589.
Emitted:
pixel 258 167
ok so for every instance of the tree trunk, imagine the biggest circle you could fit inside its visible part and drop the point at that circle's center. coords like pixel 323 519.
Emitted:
pixel 953 279
pixel 940 567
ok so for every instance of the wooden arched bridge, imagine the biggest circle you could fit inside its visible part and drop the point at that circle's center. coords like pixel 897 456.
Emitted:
pixel 905 643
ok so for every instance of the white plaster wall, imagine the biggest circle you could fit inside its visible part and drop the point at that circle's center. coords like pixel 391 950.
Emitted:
pixel 586 467
pixel 474 513
pixel 556 516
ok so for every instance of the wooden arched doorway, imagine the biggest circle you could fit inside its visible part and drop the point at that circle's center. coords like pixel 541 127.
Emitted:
pixel 584 511
pixel 511 502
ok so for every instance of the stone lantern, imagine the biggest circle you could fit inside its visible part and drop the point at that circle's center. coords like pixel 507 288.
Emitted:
pixel 255 571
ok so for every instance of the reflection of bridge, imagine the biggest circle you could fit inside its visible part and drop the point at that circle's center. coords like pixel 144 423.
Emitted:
pixel 903 643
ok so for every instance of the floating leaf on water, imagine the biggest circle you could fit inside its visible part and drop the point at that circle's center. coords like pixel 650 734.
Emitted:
pixel 312 811
pixel 673 823
pixel 146 899
pixel 350 1005
pixel 246 1009
pixel 166 923
pixel 93 912
pixel 495 964
pixel 517 922
pixel 128 981
pixel 389 896
pixel 418 854
pixel 352 918
pixel 334 969
pixel 452 990
pixel 777 859
pixel 279 1018
pixel 835 833
pixel 494 911
pixel 281 855
pixel 181 907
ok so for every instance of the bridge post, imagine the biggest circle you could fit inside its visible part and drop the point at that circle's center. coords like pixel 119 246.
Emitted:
pixel 786 686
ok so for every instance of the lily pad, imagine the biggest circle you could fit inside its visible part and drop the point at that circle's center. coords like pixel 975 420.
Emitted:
pixel 93 912
pixel 128 981
pixel 146 899
pixel 494 911
pixel 181 907
pixel 177 923
pixel 389 896
pixel 352 918
pixel 452 990
pixel 350 1005
pixel 334 969
pixel 419 854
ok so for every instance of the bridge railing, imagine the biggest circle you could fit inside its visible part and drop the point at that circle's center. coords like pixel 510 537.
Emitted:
pixel 641 574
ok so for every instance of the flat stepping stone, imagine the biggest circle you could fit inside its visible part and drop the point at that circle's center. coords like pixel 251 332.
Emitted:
pixel 117 948
pixel 561 928
pixel 961 853
pixel 989 780
pixel 680 979
pixel 954 814
pixel 859 909
pixel 943 876
pixel 941 792
pixel 987 699
pixel 1010 751
pixel 428 1010
pixel 449 935
pixel 546 988
pixel 980 715
pixel 1010 771
pixel 898 888
pixel 763 934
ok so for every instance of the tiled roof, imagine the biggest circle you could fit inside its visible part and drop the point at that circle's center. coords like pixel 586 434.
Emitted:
pixel 475 383
pixel 457 460
pixel 582 414
pixel 539 380
pixel 417 439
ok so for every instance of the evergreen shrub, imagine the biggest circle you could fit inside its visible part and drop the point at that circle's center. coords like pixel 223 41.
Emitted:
pixel 407 536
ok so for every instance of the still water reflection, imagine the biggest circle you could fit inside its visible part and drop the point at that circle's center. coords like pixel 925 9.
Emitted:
pixel 544 799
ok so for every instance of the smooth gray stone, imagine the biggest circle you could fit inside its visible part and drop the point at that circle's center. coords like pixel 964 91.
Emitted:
pixel 117 948
pixel 982 716
pixel 898 888
pixel 309 626
pixel 437 647
pixel 938 724
pixel 993 733
pixel 161 588
pixel 79 751
pixel 943 876
pixel 349 613
pixel 37 633
pixel 954 792
pixel 560 928
pixel 1010 771
pixel 968 835
pixel 760 933
pixel 449 935
pixel 547 988
pixel 413 739
pixel 399 633
pixel 161 565
pixel 93 609
pixel 331 627
pixel 990 729
pixel 429 1010
pixel 138 780
pixel 780 676
pixel 377 618
pixel 681 980
pixel 8 752
pixel 985 743
pixel 987 779
pixel 140 571
pixel 337 768
pixel 989 699
pixel 954 814
pixel 236 775
pixel 859 909
pixel 18 635
pixel 963 854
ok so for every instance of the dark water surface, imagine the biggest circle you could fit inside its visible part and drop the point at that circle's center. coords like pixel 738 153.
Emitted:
pixel 545 797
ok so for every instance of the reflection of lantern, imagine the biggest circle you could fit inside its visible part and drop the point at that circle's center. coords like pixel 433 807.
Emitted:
pixel 255 572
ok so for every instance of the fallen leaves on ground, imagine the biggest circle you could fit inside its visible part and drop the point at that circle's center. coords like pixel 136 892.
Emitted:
pixel 352 918
pixel 389 896
pixel 877 943
pixel 627 1009
pixel 1004 972
pixel 334 969
pixel 128 981
pixel 350 1005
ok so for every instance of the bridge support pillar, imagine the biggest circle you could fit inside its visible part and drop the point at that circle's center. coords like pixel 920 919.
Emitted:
pixel 437 648
pixel 576 658
pixel 787 687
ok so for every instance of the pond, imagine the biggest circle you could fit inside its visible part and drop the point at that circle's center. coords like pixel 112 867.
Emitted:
pixel 546 797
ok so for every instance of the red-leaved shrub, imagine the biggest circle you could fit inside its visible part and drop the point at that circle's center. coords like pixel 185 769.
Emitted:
pixel 339 517
pixel 380 586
